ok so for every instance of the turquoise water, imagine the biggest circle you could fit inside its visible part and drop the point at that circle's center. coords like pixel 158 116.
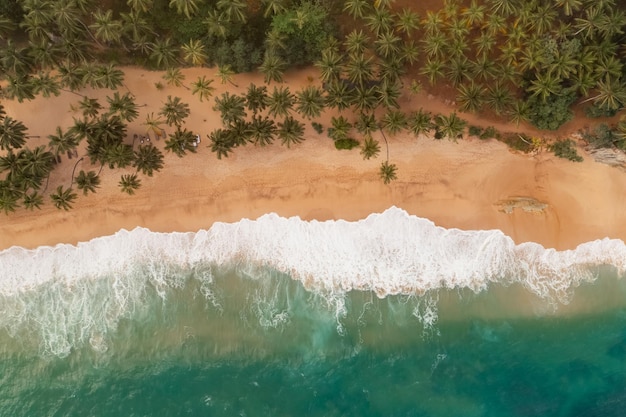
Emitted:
pixel 197 330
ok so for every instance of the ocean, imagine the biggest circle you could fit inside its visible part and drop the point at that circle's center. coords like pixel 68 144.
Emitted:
pixel 387 316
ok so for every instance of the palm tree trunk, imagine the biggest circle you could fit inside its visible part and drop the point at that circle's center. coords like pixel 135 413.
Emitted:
pixel 386 143
pixel 73 170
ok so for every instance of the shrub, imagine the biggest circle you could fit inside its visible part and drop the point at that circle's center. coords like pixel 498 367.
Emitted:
pixel 317 127
pixel 551 113
pixel 518 141
pixel 475 131
pixel 490 133
pixel 347 143
pixel 603 137
pixel 565 149
pixel 595 111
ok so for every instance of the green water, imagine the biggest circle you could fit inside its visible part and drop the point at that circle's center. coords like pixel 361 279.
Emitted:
pixel 269 347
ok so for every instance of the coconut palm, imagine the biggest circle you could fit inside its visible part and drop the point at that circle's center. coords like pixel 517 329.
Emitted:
pixel 394 121
pixel 105 28
pixel 71 76
pixel 310 102
pixel 543 18
pixel 280 102
pixel 356 42
pixel 407 21
pixel 470 98
pixel 186 7
pixel 87 181
pixel 262 130
pixel 194 52
pixel 433 21
pixel 389 93
pixel 123 106
pixel 450 126
pixel 37 163
pixel 226 74
pixel 433 69
pixel 217 23
pixel 365 98
pixel 340 129
pixel 498 97
pixel 203 88
pixel 63 198
pixel 174 77
pixel 8 201
pixel 569 6
pixel 12 133
pixel 274 7
pixel 129 183
pixel 366 124
pixel 19 88
pixel 388 172
pixel 222 142
pixel 504 7
pixel 330 65
pixel 290 131
pixel 109 76
pixel 483 68
pixel 140 5
pixel 233 10
pixel 380 20
pixel 33 200
pixel 434 43
pixel 230 106
pixel 356 8
pixel 544 85
pixel 154 124
pixel 485 43
pixel 119 155
pixel 256 98
pixel 370 148
pixel 45 55
pixel 458 70
pixel 272 68
pixel 108 130
pixel 148 158
pixel 474 14
pixel 163 53
pixel 15 60
pixel 90 107
pixel 181 142
pixel 338 95
pixel 360 69
pixel 611 93
pixel 410 52
pixel 387 44
pixel 175 111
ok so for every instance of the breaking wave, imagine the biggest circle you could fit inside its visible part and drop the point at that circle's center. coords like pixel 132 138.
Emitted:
pixel 70 295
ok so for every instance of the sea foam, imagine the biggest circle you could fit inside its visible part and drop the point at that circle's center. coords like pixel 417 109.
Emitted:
pixel 73 294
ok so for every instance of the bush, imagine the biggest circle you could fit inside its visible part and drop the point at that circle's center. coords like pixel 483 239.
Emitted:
pixel 475 131
pixel 518 141
pixel 551 113
pixel 317 127
pixel 595 111
pixel 490 133
pixel 347 143
pixel 565 149
pixel 604 137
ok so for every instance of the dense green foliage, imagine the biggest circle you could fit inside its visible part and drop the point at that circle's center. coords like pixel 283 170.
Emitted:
pixel 565 149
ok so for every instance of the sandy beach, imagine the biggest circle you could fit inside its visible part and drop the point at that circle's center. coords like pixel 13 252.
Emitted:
pixel 471 184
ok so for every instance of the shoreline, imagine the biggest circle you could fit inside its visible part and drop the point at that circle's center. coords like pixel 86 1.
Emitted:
pixel 472 184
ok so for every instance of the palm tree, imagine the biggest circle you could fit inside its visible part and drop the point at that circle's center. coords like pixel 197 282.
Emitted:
pixel 338 95
pixel 310 102
pixel 203 88
pixel 222 142
pixel 330 66
pixel 365 98
pixel 341 128
pixel 504 7
pixel 389 93
pixel 274 7
pixel 611 94
pixel 15 60
pixel 498 97
pixel 119 155
pixel 470 97
pixel 410 52
pixel 105 28
pixel 154 124
pixel 280 102
pixel 569 6
pixel 290 131
pixel 109 76
pixel 181 142
pixel 186 7
pixel 90 107
pixel 87 181
pixel 394 121
pixel 272 68
pixel 256 98
pixel 194 52
pixel 226 73
pixel 217 23
pixel 388 172
pixel 458 70
pixel 356 42
pixel 174 111
pixel 12 133
pixel 36 164
pixel 380 20
pixel 8 201
pixel 124 106
pixel 387 44
pixel 433 70
pixel 483 68
pixel 434 44
pixel 234 10
pixel 129 183
pixel 544 85
pixel 63 198
pixel 356 8
pixel 450 126
pixel 33 201
pixel 407 22
pixel 174 77
pixel 71 76
pixel 370 148
pixel 148 158
pixel 474 14
pixel 163 53
pixel 46 85
pixel 360 69
pixel 366 124
pixel 19 88
pixel 262 130
pixel 140 5
pixel 231 107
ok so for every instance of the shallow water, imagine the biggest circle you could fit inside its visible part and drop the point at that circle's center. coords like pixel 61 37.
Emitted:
pixel 234 321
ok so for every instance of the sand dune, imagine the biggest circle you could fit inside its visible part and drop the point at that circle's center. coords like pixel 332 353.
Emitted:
pixel 471 184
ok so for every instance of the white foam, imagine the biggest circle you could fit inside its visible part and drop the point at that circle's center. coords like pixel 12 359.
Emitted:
pixel 388 253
